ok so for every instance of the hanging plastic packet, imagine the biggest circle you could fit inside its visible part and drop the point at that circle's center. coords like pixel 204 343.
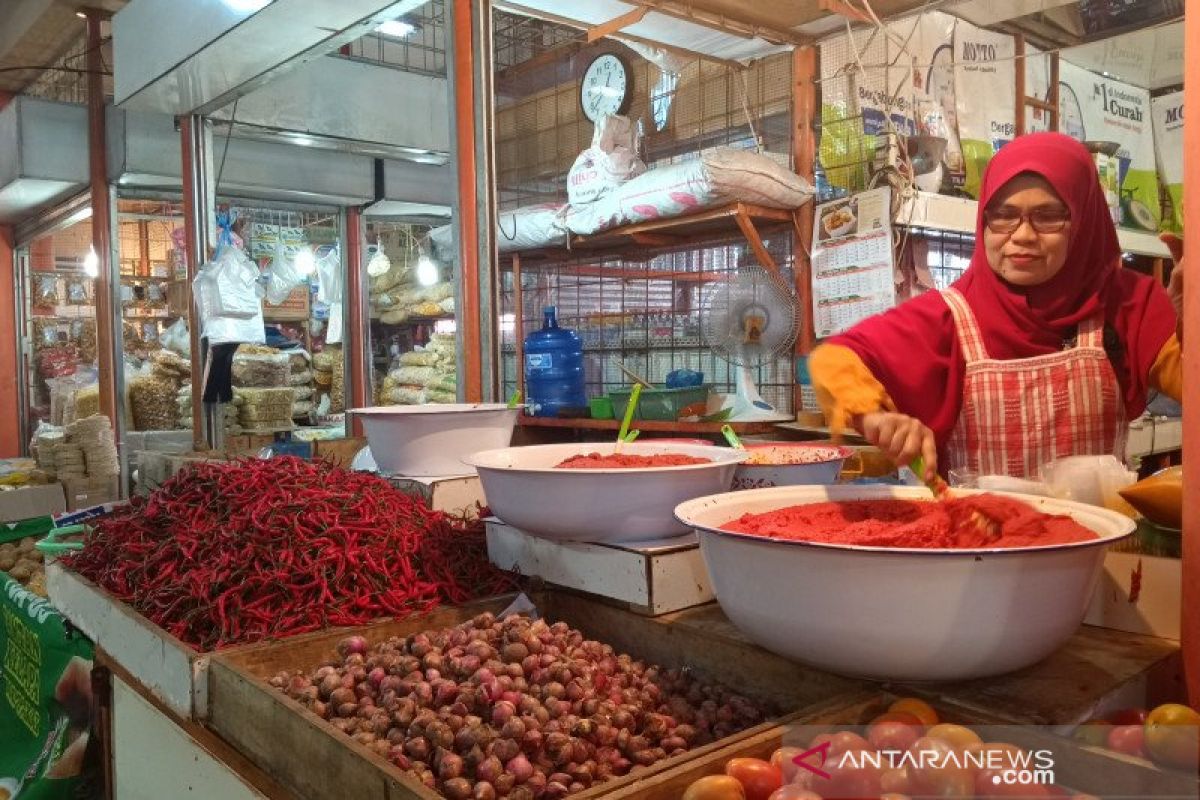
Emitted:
pixel 379 263
pixel 282 276
pixel 47 291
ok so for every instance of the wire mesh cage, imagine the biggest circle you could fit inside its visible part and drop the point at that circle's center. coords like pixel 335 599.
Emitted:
pixel 644 311
pixel 641 308
pixel 414 42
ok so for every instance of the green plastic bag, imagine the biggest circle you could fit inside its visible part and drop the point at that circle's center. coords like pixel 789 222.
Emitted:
pixel 45 700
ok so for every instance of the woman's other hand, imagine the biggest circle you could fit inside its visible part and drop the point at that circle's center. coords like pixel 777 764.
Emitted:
pixel 1175 285
pixel 901 438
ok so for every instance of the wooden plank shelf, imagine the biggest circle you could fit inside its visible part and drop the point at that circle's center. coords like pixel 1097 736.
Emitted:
pixel 707 225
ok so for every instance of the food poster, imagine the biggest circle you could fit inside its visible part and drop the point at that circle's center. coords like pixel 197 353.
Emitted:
pixel 931 48
pixel 859 104
pixel 1093 108
pixel 985 69
pixel 852 261
pixel 45 699
pixel 1167 111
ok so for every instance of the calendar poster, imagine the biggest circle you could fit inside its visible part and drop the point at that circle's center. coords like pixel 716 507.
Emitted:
pixel 852 261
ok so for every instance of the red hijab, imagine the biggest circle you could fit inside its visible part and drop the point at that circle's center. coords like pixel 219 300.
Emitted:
pixel 914 351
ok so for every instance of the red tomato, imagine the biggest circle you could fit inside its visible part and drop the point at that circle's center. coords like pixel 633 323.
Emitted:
pixel 1094 732
pixel 757 777
pixel 895 781
pixel 1128 716
pixel 904 717
pixel 918 708
pixel 1173 736
pixel 850 782
pixel 935 774
pixel 715 787
pixel 793 793
pixel 957 736
pixel 1128 739
pixel 782 760
pixel 890 735
pixel 846 741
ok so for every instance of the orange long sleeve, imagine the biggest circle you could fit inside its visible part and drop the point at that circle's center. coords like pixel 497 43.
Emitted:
pixel 844 386
pixel 1166 373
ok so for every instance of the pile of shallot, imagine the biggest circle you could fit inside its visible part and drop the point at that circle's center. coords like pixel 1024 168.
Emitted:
pixel 513 708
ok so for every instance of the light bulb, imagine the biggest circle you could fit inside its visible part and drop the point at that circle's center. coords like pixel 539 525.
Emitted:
pixel 427 271
pixel 397 28
pixel 305 263
pixel 91 263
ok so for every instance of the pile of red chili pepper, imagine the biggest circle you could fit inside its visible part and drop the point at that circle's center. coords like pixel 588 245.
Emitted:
pixel 233 552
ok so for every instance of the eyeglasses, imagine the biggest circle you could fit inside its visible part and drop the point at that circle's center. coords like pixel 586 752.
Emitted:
pixel 1043 220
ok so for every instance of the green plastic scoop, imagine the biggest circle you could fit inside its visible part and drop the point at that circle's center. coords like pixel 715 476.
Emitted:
pixel 629 409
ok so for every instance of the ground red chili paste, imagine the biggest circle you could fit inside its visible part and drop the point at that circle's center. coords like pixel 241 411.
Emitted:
pixel 624 461
pixel 914 523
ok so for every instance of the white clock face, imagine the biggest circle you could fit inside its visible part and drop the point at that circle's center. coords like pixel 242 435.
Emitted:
pixel 605 86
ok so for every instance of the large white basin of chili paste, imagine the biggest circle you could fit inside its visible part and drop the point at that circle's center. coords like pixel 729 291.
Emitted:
pixel 895 612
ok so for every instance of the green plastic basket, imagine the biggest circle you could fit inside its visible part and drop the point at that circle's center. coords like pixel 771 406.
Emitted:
pixel 660 404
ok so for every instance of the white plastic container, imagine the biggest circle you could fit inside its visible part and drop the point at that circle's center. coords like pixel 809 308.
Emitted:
pixel 431 440
pixel 524 489
pixel 895 613
pixel 815 464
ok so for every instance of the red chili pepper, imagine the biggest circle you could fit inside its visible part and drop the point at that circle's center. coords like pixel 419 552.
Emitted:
pixel 229 553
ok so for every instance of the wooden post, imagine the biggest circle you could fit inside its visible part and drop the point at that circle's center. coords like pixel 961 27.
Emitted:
pixel 1019 77
pixel 804 156
pixel 469 309
pixel 519 324
pixel 1190 626
pixel 356 320
pixel 106 278
pixel 191 138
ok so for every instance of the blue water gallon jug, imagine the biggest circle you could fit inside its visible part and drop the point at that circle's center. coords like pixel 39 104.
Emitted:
pixel 553 368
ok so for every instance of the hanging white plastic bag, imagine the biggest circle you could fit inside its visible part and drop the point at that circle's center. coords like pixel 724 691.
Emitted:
pixel 235 278
pixel 177 339
pixel 329 272
pixel 283 276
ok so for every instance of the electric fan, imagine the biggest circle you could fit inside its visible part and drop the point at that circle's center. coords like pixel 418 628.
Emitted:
pixel 748 320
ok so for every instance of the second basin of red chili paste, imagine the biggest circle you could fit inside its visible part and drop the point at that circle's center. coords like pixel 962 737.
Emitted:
pixel 629 461
pixel 914 523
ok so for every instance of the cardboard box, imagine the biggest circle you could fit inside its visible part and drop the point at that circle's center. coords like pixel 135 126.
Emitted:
pixel 454 495
pixel 1140 594
pixel 338 451
pixel 32 501
pixel 84 492
pixel 650 578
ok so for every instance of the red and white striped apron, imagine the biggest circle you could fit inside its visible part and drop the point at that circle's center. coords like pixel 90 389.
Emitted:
pixel 1020 414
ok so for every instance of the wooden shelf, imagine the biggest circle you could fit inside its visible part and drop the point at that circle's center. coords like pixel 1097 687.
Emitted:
pixel 414 320
pixel 647 425
pixel 690 229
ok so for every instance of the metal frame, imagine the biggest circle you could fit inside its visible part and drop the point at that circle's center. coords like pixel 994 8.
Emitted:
pixel 196 147
pixel 1190 622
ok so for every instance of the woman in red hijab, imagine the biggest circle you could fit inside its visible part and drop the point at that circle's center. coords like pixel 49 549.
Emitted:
pixel 1045 347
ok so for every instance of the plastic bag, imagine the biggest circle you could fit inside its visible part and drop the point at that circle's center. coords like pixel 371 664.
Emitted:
pixel 610 161
pixel 283 276
pixel 234 280
pixel 77 294
pixel 329 271
pixel 47 291
pixel 177 339
pixel 1088 479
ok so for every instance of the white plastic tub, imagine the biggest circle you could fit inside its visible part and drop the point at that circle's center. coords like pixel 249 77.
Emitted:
pixel 524 489
pixel 812 464
pixel 431 440
pixel 893 613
